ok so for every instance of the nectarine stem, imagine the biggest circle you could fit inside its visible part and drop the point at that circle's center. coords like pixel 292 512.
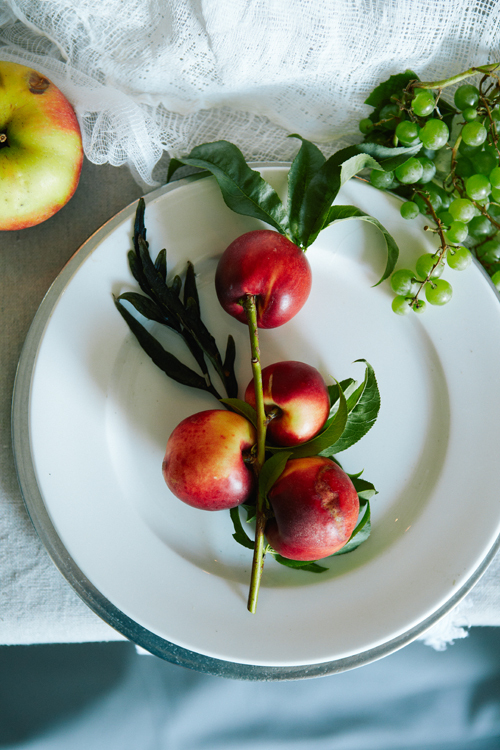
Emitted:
pixel 251 313
pixel 259 549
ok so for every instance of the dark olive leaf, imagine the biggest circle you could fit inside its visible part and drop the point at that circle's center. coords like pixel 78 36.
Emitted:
pixel 161 264
pixel 176 285
pixel 243 189
pixel 381 95
pixel 359 535
pixel 147 308
pixel 190 288
pixel 330 435
pixel 247 411
pixel 305 165
pixel 170 365
pixel 271 471
pixel 322 190
pixel 362 417
pixel 230 382
pixel 170 302
pixel 308 566
pixel 240 534
pixel 342 213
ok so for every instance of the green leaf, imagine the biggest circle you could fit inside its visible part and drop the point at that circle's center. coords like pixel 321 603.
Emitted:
pixel 359 535
pixel 342 213
pixel 322 190
pixel 362 417
pixel 307 162
pixel 310 566
pixel 330 435
pixel 389 158
pixel 247 411
pixel 271 471
pixel 240 534
pixel 393 86
pixel 365 490
pixel 243 189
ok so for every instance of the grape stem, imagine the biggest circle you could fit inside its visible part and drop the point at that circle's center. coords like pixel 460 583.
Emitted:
pixel 486 69
pixel 250 308
pixel 414 302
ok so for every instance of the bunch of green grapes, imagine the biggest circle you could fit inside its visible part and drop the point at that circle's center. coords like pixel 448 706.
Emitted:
pixel 452 176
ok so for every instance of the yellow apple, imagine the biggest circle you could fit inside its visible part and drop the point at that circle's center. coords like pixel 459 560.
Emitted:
pixel 40 148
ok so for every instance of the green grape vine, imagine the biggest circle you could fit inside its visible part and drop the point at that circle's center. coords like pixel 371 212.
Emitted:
pixel 451 176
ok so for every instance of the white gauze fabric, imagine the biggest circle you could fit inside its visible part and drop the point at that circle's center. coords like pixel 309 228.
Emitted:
pixel 150 76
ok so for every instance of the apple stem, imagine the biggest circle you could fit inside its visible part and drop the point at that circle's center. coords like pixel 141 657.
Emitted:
pixel 259 548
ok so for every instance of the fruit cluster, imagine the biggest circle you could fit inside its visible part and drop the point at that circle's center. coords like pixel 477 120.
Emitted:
pixel 272 453
pixel 451 174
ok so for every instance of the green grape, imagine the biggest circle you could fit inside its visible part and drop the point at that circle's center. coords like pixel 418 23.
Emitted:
pixel 495 194
pixel 409 172
pixel 439 292
pixel 434 134
pixel 465 150
pixel 459 259
pixel 470 114
pixel 464 168
pixel 429 153
pixel 479 227
pixel 409 210
pixel 391 113
pixel 402 282
pixel 380 179
pixel 424 265
pixel 478 187
pixel 494 212
pixel 474 134
pixel 445 217
pixel 400 305
pixel 495 178
pixel 496 279
pixel 461 209
pixel 466 96
pixel 490 251
pixel 423 103
pixel 366 125
pixel 445 197
pixel 429 169
pixel 419 306
pixel 407 133
pixel 484 162
pixel 456 232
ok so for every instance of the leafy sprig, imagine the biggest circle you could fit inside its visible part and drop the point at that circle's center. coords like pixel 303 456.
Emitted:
pixel 162 303
pixel 313 185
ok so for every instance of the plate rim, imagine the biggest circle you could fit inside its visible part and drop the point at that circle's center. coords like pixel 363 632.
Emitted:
pixel 91 596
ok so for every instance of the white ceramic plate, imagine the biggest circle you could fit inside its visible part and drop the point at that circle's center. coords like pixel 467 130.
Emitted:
pixel 99 414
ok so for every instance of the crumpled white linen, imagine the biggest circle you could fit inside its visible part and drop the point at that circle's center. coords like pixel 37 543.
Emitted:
pixel 148 76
